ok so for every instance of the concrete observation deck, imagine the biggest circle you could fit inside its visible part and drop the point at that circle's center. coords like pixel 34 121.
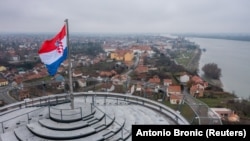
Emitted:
pixel 96 116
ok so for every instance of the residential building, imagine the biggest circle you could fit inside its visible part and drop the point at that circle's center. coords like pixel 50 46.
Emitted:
pixel 174 89
pixel 184 78
pixel 226 114
pixel 176 98
pixel 3 68
pixel 155 80
pixel 82 82
pixel 23 93
pixel 197 90
pixel 122 55
pixel 197 80
pixel 77 73
pixel 119 79
pixel 141 69
pixel 3 82
pixel 198 86
pixel 167 82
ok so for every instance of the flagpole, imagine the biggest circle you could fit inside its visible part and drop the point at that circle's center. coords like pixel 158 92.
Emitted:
pixel 70 67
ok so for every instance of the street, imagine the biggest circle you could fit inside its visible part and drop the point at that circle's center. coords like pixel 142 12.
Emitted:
pixel 4 95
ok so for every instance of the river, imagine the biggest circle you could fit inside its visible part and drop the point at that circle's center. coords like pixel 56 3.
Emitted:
pixel 233 58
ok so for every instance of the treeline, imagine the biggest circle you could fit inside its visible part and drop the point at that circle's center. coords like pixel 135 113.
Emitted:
pixel 89 48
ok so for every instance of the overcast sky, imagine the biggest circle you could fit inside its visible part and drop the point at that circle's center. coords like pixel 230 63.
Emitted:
pixel 126 16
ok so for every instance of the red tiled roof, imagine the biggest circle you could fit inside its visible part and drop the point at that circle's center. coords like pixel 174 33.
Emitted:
pixel 176 96
pixel 155 79
pixel 167 81
pixel 174 88
pixel 141 69
pixel 197 79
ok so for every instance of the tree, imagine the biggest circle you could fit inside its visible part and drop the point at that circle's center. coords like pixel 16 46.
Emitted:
pixel 211 70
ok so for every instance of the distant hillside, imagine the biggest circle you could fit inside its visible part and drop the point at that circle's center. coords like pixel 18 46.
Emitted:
pixel 240 37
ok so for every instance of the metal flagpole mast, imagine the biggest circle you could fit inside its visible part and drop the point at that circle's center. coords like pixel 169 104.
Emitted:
pixel 70 67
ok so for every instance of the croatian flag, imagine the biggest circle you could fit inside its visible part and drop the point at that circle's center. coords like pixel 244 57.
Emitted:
pixel 54 51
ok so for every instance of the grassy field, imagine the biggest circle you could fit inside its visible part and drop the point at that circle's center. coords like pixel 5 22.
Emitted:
pixel 184 57
pixel 189 59
pixel 216 98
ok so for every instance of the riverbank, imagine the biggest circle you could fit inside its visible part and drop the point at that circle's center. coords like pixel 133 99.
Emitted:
pixel 193 66
pixel 231 57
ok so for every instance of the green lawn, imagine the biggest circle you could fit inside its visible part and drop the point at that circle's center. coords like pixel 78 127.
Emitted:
pixel 184 58
pixel 213 102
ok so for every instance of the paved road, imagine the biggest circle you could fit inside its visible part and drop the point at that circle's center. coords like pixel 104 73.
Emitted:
pixel 202 111
pixel 4 95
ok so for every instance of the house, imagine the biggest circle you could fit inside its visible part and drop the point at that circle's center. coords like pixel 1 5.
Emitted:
pixel 184 78
pixel 3 68
pixel 198 86
pixel 21 71
pixel 3 82
pixel 32 75
pixel 174 89
pixel 122 55
pixel 141 69
pixel 226 114
pixel 233 117
pixel 108 48
pixel 155 80
pixel 167 82
pixel 95 60
pixel 42 71
pixel 176 98
pixel 119 79
pixel 82 82
pixel 18 78
pixel 197 80
pixel 108 87
pixel 65 63
pixel 138 87
pixel 14 57
pixel 107 73
pixel 142 49
pixel 197 90
pixel 116 56
pixel 23 93
pixel 128 57
pixel 60 69
pixel 9 76
pixel 77 73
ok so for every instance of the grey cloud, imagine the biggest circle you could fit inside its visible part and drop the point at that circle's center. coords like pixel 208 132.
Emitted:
pixel 125 15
